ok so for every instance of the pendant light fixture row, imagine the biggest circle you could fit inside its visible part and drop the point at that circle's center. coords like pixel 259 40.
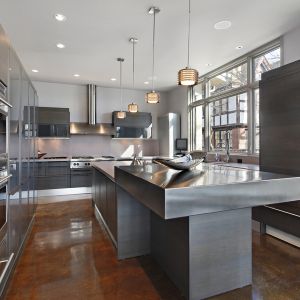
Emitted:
pixel 188 76
pixel 121 114
pixel 133 107
pixel 153 97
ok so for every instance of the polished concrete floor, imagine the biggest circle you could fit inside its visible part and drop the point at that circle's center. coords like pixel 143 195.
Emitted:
pixel 69 256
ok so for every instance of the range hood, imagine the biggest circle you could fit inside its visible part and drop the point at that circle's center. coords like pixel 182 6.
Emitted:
pixel 92 98
pixel 92 127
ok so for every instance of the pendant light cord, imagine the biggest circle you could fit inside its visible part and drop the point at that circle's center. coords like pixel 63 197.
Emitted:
pixel 153 48
pixel 189 35
pixel 133 62
pixel 121 85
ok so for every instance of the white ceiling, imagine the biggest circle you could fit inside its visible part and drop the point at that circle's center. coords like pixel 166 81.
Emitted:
pixel 96 33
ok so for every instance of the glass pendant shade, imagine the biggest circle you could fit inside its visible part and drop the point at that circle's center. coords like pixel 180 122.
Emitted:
pixel 188 77
pixel 121 114
pixel 133 108
pixel 152 97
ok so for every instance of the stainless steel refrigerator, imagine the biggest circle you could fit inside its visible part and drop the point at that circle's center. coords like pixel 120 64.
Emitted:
pixel 168 131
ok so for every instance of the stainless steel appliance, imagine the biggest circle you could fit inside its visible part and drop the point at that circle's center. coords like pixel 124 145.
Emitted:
pixel 81 171
pixel 4 176
pixel 81 162
pixel 168 131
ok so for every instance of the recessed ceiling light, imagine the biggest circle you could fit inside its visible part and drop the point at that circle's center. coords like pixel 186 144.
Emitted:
pixel 208 65
pixel 113 79
pixel 35 71
pixel 60 46
pixel 239 47
pixel 146 82
pixel 76 75
pixel 222 25
pixel 60 17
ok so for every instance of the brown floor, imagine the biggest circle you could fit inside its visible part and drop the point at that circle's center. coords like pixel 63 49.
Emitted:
pixel 69 256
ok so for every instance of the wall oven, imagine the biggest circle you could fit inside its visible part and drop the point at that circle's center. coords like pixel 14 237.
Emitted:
pixel 4 174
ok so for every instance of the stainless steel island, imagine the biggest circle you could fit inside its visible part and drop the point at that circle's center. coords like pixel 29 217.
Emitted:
pixel 196 224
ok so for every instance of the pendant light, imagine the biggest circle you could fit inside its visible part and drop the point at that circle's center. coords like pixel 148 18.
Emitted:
pixel 121 114
pixel 188 76
pixel 153 97
pixel 132 107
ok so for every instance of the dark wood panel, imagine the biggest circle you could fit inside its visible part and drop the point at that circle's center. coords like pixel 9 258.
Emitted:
pixel 280 135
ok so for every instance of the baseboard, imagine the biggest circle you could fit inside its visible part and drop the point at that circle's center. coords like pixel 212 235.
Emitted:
pixel 62 198
pixel 291 239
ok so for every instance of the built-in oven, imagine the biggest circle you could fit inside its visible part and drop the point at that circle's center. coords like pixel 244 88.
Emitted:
pixel 4 174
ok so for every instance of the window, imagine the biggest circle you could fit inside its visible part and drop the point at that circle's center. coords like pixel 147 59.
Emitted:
pixel 266 62
pixel 220 103
pixel 228 80
pixel 229 114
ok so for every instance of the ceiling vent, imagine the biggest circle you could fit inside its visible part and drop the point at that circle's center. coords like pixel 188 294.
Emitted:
pixel 92 104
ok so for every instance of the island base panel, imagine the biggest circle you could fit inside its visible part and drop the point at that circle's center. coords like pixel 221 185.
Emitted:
pixel 133 226
pixel 205 255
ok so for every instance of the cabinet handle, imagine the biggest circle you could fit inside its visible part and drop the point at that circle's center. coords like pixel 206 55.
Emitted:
pixel 5 102
pixel 8 261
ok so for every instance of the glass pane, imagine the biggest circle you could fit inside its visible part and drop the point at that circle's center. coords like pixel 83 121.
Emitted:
pixel 232 103
pixel 228 80
pixel 224 119
pixel 232 118
pixel 199 139
pixel 266 62
pixel 198 92
pixel 235 120
pixel 256 99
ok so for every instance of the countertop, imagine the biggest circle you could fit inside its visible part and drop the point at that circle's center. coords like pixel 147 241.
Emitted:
pixel 108 167
pixel 96 159
pixel 210 187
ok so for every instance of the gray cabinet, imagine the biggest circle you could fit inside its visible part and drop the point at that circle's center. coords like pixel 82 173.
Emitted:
pixel 4 50
pixel 81 178
pixel 104 197
pixel 52 175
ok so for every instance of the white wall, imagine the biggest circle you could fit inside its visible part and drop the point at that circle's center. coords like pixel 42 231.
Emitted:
pixel 291 46
pixel 108 99
pixel 177 102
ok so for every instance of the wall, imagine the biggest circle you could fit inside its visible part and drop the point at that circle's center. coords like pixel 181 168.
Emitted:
pixel 97 146
pixel 177 102
pixel 291 46
pixel 108 100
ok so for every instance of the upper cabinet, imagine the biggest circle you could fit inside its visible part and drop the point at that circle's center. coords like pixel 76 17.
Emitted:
pixel 4 50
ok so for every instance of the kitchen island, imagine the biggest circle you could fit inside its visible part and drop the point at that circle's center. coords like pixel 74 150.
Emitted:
pixel 196 224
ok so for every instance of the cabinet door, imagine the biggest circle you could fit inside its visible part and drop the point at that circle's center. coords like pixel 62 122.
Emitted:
pixel 111 208
pixel 25 154
pixel 4 53
pixel 32 151
pixel 81 178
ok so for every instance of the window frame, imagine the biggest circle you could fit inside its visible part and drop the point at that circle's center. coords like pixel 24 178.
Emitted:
pixel 249 89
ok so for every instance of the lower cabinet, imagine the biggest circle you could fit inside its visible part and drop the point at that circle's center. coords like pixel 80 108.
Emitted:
pixel 104 197
pixel 52 175
pixel 81 178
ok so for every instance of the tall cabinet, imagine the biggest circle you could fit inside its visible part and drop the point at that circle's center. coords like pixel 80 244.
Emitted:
pixel 280 140
pixel 21 194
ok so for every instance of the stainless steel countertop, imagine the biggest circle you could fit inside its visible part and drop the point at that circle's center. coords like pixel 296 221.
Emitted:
pixel 209 188
pixel 108 167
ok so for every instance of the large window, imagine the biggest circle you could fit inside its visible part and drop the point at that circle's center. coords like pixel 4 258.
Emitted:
pixel 227 100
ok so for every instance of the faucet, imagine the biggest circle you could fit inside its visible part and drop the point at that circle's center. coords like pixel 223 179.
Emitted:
pixel 227 145
pixel 136 161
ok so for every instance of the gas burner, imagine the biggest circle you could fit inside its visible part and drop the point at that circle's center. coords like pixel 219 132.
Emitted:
pixel 56 157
